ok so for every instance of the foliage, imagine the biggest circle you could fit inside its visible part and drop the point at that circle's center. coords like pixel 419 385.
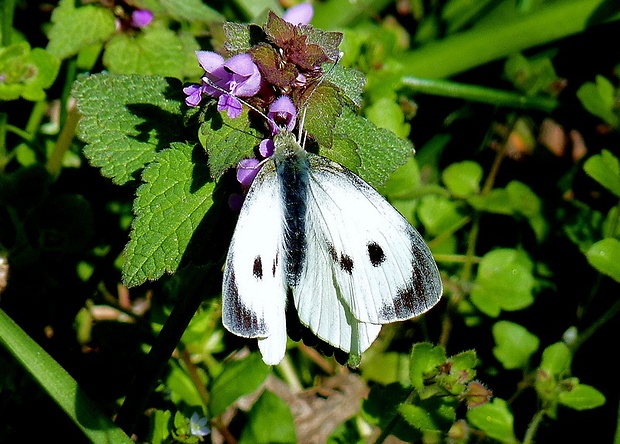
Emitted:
pixel 115 219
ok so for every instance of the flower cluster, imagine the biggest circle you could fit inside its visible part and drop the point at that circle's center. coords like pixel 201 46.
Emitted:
pixel 272 76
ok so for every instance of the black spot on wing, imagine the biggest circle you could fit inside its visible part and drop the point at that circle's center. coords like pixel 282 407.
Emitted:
pixel 346 263
pixel 240 318
pixel 257 268
pixel 375 254
pixel 274 266
pixel 419 294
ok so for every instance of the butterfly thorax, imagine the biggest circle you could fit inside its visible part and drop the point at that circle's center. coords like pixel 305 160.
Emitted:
pixel 293 168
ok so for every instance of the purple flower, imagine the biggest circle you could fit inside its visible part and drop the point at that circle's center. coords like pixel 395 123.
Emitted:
pixel 282 114
pixel 299 14
pixel 266 147
pixel 247 171
pixel 226 80
pixel 141 17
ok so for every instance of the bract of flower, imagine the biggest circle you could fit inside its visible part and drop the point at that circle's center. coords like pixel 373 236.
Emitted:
pixel 299 14
pixel 282 114
pixel 198 425
pixel 141 18
pixel 247 171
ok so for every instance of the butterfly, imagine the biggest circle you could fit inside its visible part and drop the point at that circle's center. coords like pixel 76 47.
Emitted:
pixel 313 230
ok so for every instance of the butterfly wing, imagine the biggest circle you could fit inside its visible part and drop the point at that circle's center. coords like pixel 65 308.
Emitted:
pixel 254 288
pixel 365 264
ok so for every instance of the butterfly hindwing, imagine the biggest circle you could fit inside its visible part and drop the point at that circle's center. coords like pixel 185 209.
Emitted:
pixel 254 288
pixel 365 263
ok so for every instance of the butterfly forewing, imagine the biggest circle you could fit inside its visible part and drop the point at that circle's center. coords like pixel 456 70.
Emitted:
pixel 254 287
pixel 378 266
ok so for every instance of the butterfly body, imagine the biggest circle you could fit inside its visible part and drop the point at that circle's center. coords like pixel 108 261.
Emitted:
pixel 313 228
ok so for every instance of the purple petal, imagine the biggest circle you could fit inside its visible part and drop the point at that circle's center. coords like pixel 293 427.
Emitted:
pixel 282 112
pixel 141 17
pixel 299 14
pixel 266 147
pixel 247 171
pixel 246 79
pixel 241 64
pixel 209 60
pixel 194 95
pixel 231 104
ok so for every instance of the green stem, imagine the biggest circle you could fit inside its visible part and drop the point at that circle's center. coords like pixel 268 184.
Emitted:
pixel 485 43
pixel 532 428
pixel 473 93
pixel 7 23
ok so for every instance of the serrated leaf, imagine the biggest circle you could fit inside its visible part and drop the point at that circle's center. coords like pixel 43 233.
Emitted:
pixel 324 108
pixel 582 397
pixel 380 150
pixel 75 28
pixel 270 421
pixel 349 81
pixel 495 419
pixel 170 205
pixel 504 282
pixel 237 379
pixel 241 37
pixel 227 140
pixel 126 120
pixel 605 169
pixel 152 52
pixel 514 344
pixel 604 255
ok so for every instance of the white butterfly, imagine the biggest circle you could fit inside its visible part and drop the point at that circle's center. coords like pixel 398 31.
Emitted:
pixel 351 261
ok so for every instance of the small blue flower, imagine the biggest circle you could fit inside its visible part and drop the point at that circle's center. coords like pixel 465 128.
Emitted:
pixel 198 426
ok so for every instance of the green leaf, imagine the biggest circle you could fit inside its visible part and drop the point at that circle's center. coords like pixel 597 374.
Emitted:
pixel 605 169
pixel 75 28
pixel 191 11
pixel 599 99
pixel 126 120
pixel 434 414
pixel 181 387
pixel 496 201
pixel 270 421
pixel 382 407
pixel 582 397
pixel 227 140
pixel 556 359
pixel 160 426
pixel 324 108
pixel 237 379
pixel 349 81
pixel 604 255
pixel 425 358
pixel 495 419
pixel 504 282
pixel 169 207
pixel 61 387
pixel 385 113
pixel 152 52
pixel 463 178
pixel 380 150
pixel 514 344
pixel 439 214
pixel 26 72
pixel 403 182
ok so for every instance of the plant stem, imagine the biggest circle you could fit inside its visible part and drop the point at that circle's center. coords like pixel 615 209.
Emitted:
pixel 532 428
